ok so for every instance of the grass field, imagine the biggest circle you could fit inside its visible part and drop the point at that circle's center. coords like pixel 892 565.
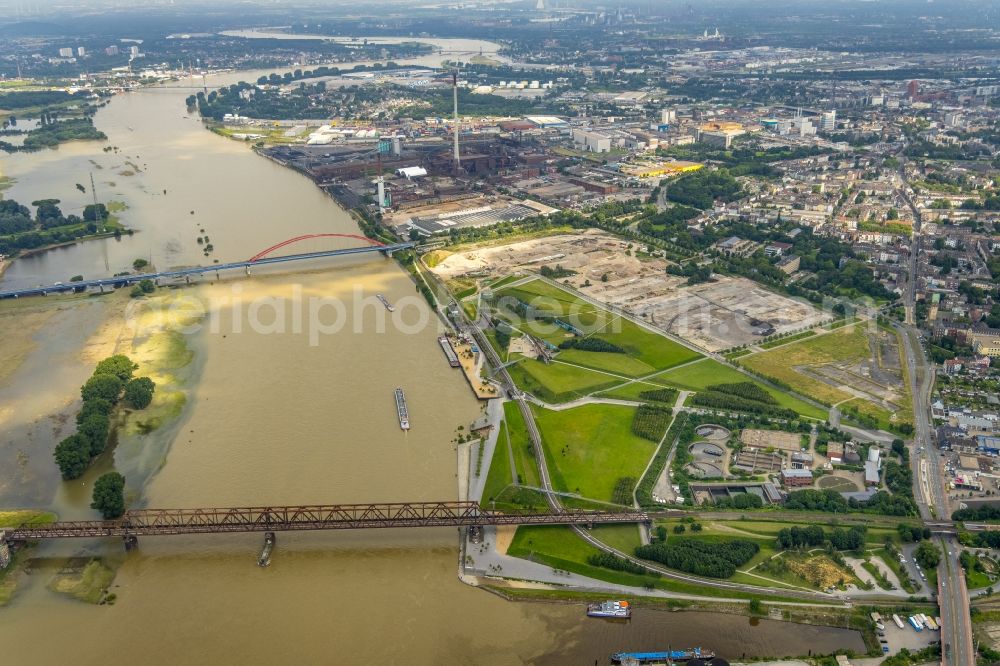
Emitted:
pixel 500 475
pixel 621 537
pixel 589 448
pixel 19 517
pixel 704 373
pixel 632 391
pixel 840 484
pixel 843 345
pixel 656 351
pixel 619 364
pixel 88 584
pixel 867 408
pixel 558 382
pixel 525 465
pixel 560 548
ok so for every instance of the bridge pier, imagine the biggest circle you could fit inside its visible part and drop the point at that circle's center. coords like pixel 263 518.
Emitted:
pixel 475 534
pixel 131 542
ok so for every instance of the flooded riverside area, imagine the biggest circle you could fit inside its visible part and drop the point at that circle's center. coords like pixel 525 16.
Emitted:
pixel 274 389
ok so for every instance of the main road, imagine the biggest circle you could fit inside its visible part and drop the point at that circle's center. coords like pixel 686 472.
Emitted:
pixel 931 493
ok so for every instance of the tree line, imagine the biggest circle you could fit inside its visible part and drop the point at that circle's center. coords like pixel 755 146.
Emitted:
pixel 710 559
pixel 742 397
pixel 831 501
pixel 616 563
pixel 651 421
pixel 111 383
pixel 20 229
pixel 593 344
pixel 852 538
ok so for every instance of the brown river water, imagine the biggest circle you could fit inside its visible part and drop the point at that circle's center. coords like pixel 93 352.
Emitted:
pixel 273 418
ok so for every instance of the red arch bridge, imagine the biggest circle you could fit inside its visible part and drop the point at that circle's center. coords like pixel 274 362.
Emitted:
pixel 164 522
pixel 262 258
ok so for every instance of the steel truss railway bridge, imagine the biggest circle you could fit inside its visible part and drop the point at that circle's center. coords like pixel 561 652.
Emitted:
pixel 164 522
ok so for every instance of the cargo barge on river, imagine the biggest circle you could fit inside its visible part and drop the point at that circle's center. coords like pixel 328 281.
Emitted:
pixel 665 657
pixel 449 352
pixel 614 609
pixel 404 416
pixel 385 301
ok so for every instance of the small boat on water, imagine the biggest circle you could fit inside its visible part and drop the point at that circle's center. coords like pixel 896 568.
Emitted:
pixel 385 302
pixel 661 657
pixel 265 554
pixel 610 609
pixel 404 416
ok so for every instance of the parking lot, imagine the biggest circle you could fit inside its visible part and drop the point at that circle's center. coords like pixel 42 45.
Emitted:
pixel 907 637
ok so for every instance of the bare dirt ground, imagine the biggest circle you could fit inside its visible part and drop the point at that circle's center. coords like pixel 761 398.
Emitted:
pixel 715 315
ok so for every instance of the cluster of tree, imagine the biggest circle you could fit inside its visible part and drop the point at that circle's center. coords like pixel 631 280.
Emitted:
pixel 912 533
pixel 977 513
pixel 438 102
pixel 852 538
pixel 853 279
pixel 651 421
pixel 741 501
pixel 702 188
pixel 503 338
pixel 26 99
pixel 945 262
pixel 680 528
pixel 144 288
pixel 671 225
pixel 712 559
pixel 20 229
pixel 757 267
pixel 624 488
pixel 927 555
pixel 111 382
pixel 695 273
pixel 985 539
pixel 899 478
pixel 886 504
pixel 109 495
pixel 557 272
pixel 899 449
pixel 251 101
pixel 51 134
pixel 989 202
pixel 831 501
pixel 14 217
pixel 615 563
pixel 666 395
pixel 969 151
pixel 592 343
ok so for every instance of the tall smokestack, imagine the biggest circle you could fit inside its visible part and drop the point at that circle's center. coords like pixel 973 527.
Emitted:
pixel 454 90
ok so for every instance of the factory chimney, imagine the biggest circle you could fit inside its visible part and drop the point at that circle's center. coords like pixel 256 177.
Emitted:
pixel 454 89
